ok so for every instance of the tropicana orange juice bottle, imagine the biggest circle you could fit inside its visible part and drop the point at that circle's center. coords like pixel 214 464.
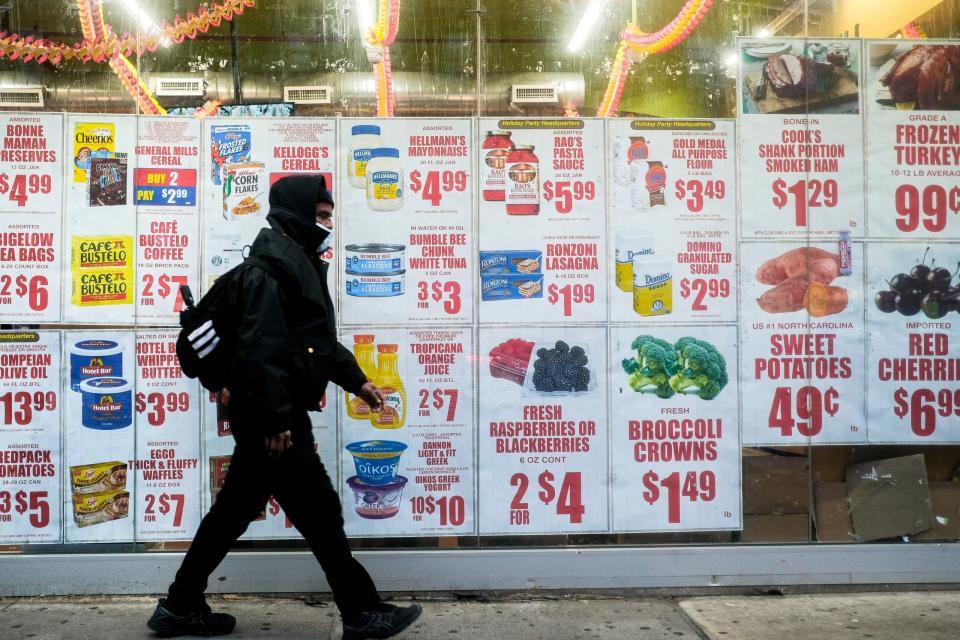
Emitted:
pixel 363 352
pixel 394 412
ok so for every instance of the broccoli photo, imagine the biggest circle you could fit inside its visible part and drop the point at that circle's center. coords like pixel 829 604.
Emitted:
pixel 702 369
pixel 650 371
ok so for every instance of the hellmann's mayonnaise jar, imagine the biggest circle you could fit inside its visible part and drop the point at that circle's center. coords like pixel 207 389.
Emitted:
pixel 384 180
pixel 652 286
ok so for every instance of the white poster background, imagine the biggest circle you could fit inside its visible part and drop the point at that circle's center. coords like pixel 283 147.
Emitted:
pixel 696 231
pixel 84 445
pixel 167 192
pixel 111 224
pixel 774 349
pixel 820 142
pixel 285 146
pixel 675 461
pixel 543 491
pixel 907 405
pixel 31 402
pixel 567 231
pixel 167 467
pixel 31 217
pixel 434 224
pixel 436 369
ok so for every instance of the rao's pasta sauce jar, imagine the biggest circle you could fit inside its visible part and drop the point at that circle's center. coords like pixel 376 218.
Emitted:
pixel 523 181
pixel 496 147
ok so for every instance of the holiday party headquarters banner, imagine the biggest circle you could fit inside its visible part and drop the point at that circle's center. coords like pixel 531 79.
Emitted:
pixel 243 158
pixel 410 469
pixel 99 285
pixel 802 343
pixel 541 221
pixel 218 449
pixel 800 137
pixel 99 373
pixel 673 202
pixel 542 453
pixel 30 468
pixel 675 445
pixel 407 236
pixel 166 186
pixel 167 464
pixel 913 140
pixel 31 209
pixel 913 374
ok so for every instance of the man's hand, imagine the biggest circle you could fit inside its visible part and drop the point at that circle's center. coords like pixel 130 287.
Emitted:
pixel 372 396
pixel 277 444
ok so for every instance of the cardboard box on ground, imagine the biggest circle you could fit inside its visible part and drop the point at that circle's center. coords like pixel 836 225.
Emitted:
pixel 776 495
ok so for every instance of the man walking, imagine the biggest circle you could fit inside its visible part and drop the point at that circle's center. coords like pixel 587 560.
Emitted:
pixel 287 353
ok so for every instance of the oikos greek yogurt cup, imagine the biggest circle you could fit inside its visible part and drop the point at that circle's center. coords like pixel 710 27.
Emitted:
pixel 376 502
pixel 107 403
pixel 376 461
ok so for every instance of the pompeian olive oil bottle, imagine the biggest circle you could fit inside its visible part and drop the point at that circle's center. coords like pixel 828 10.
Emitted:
pixel 394 412
pixel 363 352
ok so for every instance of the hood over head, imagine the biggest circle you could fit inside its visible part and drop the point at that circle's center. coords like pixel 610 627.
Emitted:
pixel 293 206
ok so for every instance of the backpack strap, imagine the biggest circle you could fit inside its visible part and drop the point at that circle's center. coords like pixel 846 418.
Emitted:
pixel 285 285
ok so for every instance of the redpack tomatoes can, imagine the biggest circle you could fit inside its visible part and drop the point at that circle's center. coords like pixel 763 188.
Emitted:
pixel 496 147
pixel 523 181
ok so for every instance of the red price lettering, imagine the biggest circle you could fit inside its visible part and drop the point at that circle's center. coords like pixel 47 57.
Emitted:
pixel 160 404
pixel 570 295
pixel 810 406
pixel 452 510
pixel 19 407
pixel 436 183
pixel 438 395
pixel 934 202
pixel 166 285
pixel 713 288
pixel 695 191
pixel 807 194
pixel 163 504
pixel 923 406
pixel 565 192
pixel 34 289
pixel 696 486
pixel 569 502
pixel 21 186
pixel 448 292
pixel 22 502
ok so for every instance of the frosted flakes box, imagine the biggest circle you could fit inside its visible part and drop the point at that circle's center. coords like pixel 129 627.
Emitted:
pixel 229 144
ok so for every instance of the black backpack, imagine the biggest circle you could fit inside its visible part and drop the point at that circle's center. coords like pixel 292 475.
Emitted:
pixel 210 328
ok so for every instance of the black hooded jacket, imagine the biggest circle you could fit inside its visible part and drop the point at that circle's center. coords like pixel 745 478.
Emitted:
pixel 288 347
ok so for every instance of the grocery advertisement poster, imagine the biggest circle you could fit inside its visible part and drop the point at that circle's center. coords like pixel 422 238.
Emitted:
pixel 242 160
pixel 30 402
pixel 99 376
pixel 913 140
pixel 543 430
pixel 913 370
pixel 671 188
pixel 803 340
pixel 674 432
pixel 167 465
pixel 407 241
pixel 541 221
pixel 31 217
pixel 408 469
pixel 800 137
pixel 166 187
pixel 100 222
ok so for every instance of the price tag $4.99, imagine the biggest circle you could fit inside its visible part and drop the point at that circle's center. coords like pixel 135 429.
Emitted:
pixel 432 186
pixel 21 186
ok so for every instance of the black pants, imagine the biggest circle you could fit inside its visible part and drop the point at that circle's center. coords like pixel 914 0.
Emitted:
pixel 299 482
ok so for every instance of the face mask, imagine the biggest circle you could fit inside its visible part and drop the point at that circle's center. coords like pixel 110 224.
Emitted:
pixel 327 242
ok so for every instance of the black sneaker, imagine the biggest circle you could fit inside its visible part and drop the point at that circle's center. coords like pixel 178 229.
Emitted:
pixel 385 621
pixel 198 623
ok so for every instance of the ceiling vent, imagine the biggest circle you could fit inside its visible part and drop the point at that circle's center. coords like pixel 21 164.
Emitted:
pixel 180 87
pixel 21 97
pixel 317 94
pixel 534 94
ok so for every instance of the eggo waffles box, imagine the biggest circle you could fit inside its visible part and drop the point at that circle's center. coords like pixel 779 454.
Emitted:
pixel 96 508
pixel 229 144
pixel 98 477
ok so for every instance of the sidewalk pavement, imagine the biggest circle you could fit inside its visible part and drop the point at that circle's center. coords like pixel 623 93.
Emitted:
pixel 918 615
